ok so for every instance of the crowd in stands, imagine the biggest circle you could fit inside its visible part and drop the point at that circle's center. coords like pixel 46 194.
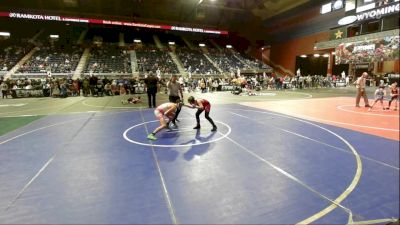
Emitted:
pixel 11 51
pixel 267 82
pixel 154 59
pixel 225 60
pixel 195 62
pixel 66 86
pixel 96 86
pixel 108 58
pixel 52 57
pixel 104 86
pixel 302 82
pixel 252 63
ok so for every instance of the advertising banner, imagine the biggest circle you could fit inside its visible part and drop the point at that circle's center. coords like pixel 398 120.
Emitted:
pixel 109 22
pixel 375 50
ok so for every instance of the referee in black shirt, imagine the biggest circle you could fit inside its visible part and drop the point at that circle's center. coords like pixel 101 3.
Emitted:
pixel 151 85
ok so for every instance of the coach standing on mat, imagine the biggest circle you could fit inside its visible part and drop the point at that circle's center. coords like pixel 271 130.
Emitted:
pixel 151 86
pixel 174 89
pixel 360 85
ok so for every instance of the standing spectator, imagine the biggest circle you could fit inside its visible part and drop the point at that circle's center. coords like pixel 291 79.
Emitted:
pixel 202 86
pixel 86 87
pixel 134 83
pixel 76 91
pixel 174 93
pixel 347 80
pixel 214 85
pixel 4 89
pixel 360 85
pixel 80 85
pixel 92 82
pixel 151 85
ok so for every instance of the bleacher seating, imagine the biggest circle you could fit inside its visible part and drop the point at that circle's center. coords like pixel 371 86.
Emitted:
pixel 226 61
pixel 154 59
pixel 62 57
pixel 195 62
pixel 108 58
pixel 54 57
pixel 252 62
pixel 11 51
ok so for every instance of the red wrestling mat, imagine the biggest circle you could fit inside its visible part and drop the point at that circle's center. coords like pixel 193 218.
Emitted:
pixel 340 112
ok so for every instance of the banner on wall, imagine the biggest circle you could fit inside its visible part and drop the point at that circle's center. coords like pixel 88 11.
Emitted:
pixel 374 50
pixel 17 15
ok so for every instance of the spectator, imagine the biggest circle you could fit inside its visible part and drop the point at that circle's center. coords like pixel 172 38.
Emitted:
pixel 92 83
pixel 107 89
pixel 86 87
pixel 4 89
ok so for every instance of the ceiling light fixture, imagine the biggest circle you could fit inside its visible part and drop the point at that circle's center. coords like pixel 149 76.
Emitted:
pixel 5 34
pixel 338 4
pixel 347 20
pixel 326 8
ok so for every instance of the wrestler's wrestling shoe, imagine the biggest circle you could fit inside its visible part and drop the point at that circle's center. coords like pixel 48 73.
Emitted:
pixel 151 137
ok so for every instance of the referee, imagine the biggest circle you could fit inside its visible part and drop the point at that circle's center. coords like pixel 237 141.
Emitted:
pixel 174 89
pixel 151 86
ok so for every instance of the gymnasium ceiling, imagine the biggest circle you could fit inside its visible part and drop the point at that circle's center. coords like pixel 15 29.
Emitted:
pixel 232 15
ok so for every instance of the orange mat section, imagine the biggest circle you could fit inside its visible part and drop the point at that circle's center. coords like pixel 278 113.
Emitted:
pixel 339 112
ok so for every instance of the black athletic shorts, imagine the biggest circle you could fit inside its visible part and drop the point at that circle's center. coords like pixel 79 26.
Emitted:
pixel 173 98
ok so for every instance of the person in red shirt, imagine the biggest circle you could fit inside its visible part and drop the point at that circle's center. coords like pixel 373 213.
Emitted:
pixel 201 105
